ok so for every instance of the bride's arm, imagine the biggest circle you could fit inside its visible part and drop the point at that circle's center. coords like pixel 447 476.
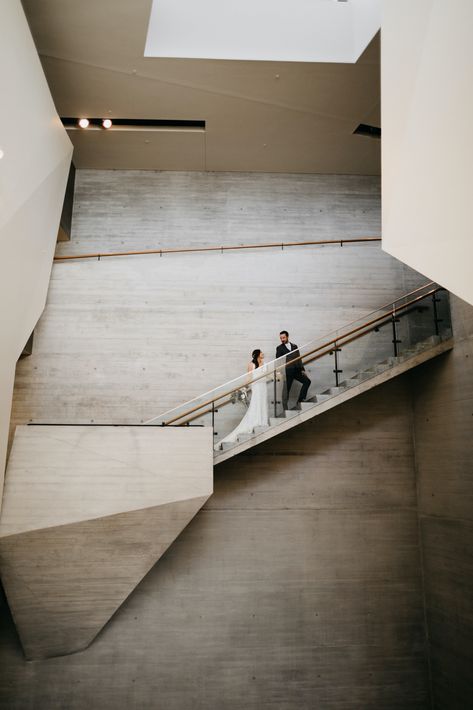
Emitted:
pixel 249 369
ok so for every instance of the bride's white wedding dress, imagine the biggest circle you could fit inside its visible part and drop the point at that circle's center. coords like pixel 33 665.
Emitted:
pixel 257 413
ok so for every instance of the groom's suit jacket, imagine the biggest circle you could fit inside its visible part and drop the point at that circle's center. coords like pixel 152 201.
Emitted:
pixel 282 350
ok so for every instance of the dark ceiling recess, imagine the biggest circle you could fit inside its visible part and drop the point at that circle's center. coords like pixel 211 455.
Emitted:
pixel 69 121
pixel 370 131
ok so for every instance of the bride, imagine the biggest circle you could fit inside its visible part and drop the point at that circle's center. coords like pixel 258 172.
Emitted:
pixel 257 413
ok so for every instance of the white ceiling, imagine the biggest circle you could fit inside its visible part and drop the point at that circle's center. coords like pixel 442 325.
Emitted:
pixel 260 116
pixel 264 30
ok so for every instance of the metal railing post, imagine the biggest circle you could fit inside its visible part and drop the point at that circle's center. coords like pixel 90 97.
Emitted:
pixel 337 370
pixel 275 395
pixel 396 341
pixel 437 320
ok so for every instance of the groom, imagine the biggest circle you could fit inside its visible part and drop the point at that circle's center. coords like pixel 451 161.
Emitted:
pixel 294 371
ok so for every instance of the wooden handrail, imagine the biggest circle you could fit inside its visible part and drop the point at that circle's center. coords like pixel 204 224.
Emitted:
pixel 428 284
pixel 326 347
pixel 236 247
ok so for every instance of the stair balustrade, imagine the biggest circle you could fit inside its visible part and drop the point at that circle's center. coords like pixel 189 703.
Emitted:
pixel 390 340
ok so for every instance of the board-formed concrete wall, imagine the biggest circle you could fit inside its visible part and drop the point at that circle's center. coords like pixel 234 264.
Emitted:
pixel 124 339
pixel 443 424
pixel 297 586
pixel 119 210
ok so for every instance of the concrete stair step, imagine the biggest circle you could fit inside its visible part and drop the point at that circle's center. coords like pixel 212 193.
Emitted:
pixel 351 382
pixel 320 398
pixel 332 391
pixel 227 445
pixel 406 354
pixel 382 366
pixel 362 376
pixel 307 405
pixel 274 421
pixel 260 429
pixel 290 413
pixel 429 342
pixel 244 437
pixel 388 362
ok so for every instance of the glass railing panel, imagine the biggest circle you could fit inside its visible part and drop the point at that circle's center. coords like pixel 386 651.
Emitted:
pixel 419 320
pixel 320 373
pixel 412 325
pixel 429 317
pixel 359 358
pixel 443 315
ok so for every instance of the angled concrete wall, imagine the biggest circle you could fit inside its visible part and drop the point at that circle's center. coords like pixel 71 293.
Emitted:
pixel 121 497
pixel 297 585
pixel 443 427
pixel 33 174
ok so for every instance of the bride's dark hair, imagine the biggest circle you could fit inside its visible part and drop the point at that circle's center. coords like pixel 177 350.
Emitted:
pixel 254 357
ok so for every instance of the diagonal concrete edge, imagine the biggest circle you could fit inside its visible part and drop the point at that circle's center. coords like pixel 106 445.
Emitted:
pixel 60 475
pixel 64 583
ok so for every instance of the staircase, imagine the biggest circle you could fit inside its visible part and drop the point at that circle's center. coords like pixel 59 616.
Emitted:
pixel 353 359
pixel 333 396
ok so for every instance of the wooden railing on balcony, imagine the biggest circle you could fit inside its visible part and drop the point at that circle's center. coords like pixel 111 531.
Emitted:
pixel 223 248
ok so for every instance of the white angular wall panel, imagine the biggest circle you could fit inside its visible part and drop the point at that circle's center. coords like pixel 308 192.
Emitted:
pixel 427 115
pixel 33 174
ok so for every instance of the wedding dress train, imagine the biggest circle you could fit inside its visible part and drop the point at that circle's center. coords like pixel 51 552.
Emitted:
pixel 257 413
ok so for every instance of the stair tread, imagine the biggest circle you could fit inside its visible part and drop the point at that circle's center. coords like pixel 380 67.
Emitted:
pixel 274 421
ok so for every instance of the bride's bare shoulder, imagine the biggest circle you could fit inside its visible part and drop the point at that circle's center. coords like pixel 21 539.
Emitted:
pixel 251 366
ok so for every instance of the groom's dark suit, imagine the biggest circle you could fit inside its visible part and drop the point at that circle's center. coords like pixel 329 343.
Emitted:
pixel 294 371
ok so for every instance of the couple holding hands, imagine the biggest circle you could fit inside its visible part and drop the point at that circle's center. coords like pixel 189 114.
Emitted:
pixel 257 413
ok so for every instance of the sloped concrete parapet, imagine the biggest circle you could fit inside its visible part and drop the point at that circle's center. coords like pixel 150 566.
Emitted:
pixel 87 512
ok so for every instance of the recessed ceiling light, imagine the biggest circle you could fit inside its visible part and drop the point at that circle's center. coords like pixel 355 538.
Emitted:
pixel 83 122
pixel 106 123
pixel 1 153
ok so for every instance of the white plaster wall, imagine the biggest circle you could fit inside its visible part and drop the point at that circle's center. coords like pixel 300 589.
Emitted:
pixel 427 114
pixel 33 174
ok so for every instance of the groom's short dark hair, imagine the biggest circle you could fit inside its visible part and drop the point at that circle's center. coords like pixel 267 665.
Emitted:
pixel 284 332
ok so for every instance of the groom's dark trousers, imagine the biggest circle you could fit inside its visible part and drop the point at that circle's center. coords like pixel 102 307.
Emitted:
pixel 293 372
